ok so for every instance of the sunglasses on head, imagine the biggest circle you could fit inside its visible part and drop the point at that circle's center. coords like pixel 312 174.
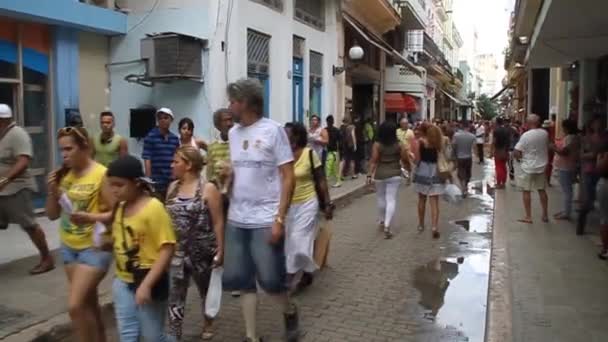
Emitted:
pixel 71 131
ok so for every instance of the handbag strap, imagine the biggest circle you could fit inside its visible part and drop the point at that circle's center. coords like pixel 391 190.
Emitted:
pixel 7 129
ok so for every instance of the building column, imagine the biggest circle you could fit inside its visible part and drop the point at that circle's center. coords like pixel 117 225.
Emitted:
pixel 65 70
pixel 587 91
pixel 381 88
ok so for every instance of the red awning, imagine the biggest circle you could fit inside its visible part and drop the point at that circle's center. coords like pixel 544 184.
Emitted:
pixel 400 103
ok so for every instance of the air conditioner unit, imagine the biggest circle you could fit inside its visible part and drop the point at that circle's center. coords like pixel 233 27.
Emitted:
pixel 172 56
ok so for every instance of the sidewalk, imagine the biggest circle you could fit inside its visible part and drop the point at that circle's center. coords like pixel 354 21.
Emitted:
pixel 545 280
pixel 31 306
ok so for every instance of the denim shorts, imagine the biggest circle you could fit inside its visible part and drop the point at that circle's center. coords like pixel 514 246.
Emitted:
pixel 249 256
pixel 89 256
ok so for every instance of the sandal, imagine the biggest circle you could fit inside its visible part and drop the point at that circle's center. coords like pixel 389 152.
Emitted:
pixel 436 234
pixel 207 333
pixel 420 228
pixel 387 234
pixel 527 221
pixel 42 268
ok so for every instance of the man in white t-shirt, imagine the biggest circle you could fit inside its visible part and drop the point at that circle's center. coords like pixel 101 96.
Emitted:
pixel 263 185
pixel 480 139
pixel 532 151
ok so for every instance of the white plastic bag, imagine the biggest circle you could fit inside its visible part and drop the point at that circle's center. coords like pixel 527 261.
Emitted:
pixel 214 293
pixel 452 193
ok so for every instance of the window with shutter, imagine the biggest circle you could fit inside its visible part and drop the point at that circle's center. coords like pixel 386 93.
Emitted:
pixel 274 4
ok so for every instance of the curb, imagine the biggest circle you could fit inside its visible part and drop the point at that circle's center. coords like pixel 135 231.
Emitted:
pixel 499 325
pixel 56 328
pixel 59 327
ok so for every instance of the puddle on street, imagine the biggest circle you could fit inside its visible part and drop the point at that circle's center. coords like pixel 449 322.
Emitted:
pixel 454 293
pixel 478 223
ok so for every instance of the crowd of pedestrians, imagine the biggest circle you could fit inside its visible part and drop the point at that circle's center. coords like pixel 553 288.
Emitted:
pixel 253 200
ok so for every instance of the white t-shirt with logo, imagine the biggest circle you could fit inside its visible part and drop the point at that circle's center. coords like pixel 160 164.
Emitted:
pixel 480 134
pixel 534 145
pixel 256 152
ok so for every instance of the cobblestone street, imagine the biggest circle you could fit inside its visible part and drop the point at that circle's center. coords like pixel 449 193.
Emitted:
pixel 410 288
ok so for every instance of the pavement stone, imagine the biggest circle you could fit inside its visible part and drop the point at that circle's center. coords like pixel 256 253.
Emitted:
pixel 552 285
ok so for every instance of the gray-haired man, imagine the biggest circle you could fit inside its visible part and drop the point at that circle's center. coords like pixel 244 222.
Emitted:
pixel 264 180
pixel 17 184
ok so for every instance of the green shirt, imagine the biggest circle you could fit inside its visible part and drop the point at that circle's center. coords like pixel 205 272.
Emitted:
pixel 108 152
pixel 217 151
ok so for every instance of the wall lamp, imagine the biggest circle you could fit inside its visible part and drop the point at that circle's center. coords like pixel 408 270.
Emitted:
pixel 355 53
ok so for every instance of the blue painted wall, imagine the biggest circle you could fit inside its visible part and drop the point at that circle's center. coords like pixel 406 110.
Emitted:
pixel 65 68
pixel 185 98
pixel 68 13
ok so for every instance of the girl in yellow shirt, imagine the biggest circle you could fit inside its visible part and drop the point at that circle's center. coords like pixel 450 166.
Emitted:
pixel 80 181
pixel 143 245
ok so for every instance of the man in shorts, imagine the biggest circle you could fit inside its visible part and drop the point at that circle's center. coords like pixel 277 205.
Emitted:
pixel 264 180
pixel 533 152
pixel 17 185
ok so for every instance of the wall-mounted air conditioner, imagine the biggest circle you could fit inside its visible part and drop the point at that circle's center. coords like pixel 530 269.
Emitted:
pixel 173 56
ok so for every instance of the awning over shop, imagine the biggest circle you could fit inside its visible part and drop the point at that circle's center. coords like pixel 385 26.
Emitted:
pixel 457 101
pixel 382 45
pixel 500 92
pixel 567 31
pixel 68 13
pixel 400 103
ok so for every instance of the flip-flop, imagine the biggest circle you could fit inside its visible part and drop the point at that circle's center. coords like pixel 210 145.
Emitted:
pixel 40 269
pixel 545 220
pixel 525 221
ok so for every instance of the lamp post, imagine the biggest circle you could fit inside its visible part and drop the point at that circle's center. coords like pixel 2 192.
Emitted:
pixel 355 53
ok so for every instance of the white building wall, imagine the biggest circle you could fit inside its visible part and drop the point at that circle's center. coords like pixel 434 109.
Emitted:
pixel 224 25
pixel 282 27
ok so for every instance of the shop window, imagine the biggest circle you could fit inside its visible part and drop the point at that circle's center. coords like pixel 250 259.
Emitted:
pixel 258 62
pixel 311 12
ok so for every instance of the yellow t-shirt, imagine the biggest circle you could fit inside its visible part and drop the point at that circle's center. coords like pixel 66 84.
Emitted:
pixel 145 233
pixel 85 194
pixel 405 137
pixel 305 184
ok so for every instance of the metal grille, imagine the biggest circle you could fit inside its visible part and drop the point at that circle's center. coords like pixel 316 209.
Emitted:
pixel 311 12
pixel 316 64
pixel 276 4
pixel 258 56
pixel 298 47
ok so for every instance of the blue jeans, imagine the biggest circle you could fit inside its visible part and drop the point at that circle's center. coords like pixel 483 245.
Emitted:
pixel 566 181
pixel 248 256
pixel 133 320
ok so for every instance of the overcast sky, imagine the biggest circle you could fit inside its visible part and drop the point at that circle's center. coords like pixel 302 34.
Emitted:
pixel 491 20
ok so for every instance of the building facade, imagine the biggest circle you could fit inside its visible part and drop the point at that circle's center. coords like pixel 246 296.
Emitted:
pixel 52 63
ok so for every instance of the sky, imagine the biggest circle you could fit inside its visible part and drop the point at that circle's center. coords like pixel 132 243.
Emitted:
pixel 491 20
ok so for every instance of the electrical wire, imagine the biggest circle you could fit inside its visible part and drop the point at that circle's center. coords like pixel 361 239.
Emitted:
pixel 145 16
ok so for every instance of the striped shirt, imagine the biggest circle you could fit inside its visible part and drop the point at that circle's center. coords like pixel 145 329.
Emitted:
pixel 217 151
pixel 159 150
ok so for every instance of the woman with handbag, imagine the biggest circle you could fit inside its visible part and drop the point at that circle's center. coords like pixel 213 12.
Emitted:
pixel 432 172
pixel 310 196
pixel 196 209
pixel 388 155
pixel 144 242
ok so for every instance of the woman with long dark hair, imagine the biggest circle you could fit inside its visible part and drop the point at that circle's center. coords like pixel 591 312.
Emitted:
pixel 77 196
pixel 429 185
pixel 302 221
pixel 388 156
pixel 186 135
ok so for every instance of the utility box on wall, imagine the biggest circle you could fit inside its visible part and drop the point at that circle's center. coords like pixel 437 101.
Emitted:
pixel 172 56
